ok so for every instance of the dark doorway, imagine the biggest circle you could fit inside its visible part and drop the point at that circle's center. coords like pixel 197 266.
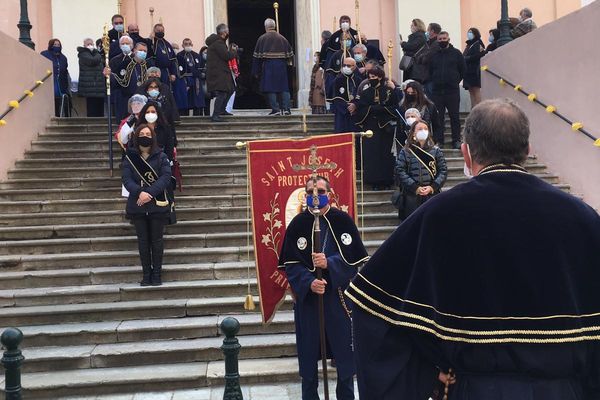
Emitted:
pixel 246 24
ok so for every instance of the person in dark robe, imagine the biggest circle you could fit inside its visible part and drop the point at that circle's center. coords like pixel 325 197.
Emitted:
pixel 190 69
pixel 375 109
pixel 128 72
pixel 359 53
pixel 60 69
pixel 179 87
pixel 272 55
pixel 164 57
pixel 373 52
pixel 133 30
pixel 117 31
pixel 491 287
pixel 202 68
pixel 165 96
pixel 344 88
pixel 342 253
pixel 335 41
pixel 334 66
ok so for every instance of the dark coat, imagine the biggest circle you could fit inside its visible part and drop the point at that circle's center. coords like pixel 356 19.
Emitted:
pixel 446 70
pixel 218 74
pixel 131 180
pixel 414 47
pixel 473 53
pixel 91 81
pixel 414 43
pixel 424 58
pixel 60 70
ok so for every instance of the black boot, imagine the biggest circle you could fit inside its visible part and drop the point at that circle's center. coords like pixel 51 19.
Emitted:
pixel 146 276
pixel 157 276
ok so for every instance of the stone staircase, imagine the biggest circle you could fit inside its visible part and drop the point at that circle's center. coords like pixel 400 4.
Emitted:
pixel 69 265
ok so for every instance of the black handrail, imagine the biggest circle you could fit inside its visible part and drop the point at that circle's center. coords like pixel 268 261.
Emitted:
pixel 575 126
pixel 13 104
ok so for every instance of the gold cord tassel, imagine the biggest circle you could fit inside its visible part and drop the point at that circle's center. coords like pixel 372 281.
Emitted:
pixel 249 303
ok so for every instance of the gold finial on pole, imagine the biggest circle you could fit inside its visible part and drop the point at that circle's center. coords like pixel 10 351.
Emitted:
pixel 357 17
pixel 390 56
pixel 276 7
pixel 151 18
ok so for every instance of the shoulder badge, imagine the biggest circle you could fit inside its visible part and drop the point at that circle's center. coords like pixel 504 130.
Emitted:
pixel 180 68
pixel 342 90
pixel 346 239
pixel 301 243
pixel 122 72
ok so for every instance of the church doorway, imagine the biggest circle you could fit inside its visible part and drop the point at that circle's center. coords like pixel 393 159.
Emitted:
pixel 246 24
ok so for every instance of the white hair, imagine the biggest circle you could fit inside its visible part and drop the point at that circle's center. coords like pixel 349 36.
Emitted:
pixel 360 46
pixel 270 23
pixel 90 39
pixel 125 38
pixel 412 111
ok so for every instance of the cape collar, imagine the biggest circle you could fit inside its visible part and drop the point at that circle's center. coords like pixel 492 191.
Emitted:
pixel 508 168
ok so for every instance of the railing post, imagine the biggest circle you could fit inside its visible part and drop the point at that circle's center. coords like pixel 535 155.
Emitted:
pixel 11 339
pixel 505 26
pixel 231 348
pixel 25 27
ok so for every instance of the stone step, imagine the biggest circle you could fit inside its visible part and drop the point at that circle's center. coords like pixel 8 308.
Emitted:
pixel 143 379
pixel 61 295
pixel 86 276
pixel 126 310
pixel 189 179
pixel 172 241
pixel 159 352
pixel 88 259
pixel 455 166
pixel 118 215
pixel 100 162
pixel 110 332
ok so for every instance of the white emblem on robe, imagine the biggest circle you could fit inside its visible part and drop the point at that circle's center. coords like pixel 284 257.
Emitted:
pixel 342 90
pixel 346 239
pixel 301 243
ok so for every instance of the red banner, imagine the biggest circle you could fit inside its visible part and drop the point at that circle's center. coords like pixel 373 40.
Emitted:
pixel 278 171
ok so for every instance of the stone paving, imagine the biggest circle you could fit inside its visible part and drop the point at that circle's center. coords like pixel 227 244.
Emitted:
pixel 253 392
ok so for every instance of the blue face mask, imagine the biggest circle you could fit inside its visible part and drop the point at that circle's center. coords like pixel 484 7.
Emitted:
pixel 470 36
pixel 119 28
pixel 141 54
pixel 359 57
pixel 323 201
pixel 427 35
pixel 125 48
pixel 153 93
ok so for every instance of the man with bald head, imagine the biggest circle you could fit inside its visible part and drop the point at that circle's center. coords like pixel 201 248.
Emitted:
pixel 344 91
pixel 134 32
pixel 272 54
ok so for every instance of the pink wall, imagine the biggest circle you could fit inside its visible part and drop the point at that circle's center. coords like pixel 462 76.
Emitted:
pixel 564 76
pixel 186 19
pixel 23 124
pixel 473 14
pixel 40 15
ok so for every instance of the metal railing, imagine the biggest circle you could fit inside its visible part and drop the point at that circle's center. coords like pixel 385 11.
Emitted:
pixel 533 97
pixel 14 104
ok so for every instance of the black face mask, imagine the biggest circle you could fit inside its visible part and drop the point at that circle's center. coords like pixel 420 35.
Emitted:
pixel 374 82
pixel 145 141
pixel 443 45
pixel 134 34
pixel 411 97
pixel 159 35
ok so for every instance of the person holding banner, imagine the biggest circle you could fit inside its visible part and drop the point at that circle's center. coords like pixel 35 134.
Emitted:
pixel 343 252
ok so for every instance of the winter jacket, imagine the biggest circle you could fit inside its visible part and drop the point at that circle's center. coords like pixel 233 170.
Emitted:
pixel 60 69
pixel 424 57
pixel 446 70
pixel 218 74
pixel 472 54
pixel 411 174
pixel 132 182
pixel 91 81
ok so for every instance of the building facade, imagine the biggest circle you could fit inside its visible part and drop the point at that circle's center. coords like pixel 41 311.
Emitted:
pixel 301 20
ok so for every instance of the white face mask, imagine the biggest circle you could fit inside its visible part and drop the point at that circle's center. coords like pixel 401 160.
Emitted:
pixel 345 26
pixel 346 70
pixel 422 135
pixel 411 121
pixel 151 117
pixel 90 47
pixel 467 171
pixel 188 49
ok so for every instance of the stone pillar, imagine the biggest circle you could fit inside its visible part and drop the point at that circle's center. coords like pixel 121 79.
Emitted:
pixel 308 40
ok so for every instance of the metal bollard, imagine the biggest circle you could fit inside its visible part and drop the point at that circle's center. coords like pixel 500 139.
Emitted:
pixel 231 348
pixel 11 339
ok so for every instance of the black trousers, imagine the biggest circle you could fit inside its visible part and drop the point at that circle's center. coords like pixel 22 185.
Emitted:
pixel 95 106
pixel 149 230
pixel 344 389
pixel 450 102
pixel 62 106
pixel 221 99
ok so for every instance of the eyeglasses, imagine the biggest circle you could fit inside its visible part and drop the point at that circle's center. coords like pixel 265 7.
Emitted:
pixel 310 192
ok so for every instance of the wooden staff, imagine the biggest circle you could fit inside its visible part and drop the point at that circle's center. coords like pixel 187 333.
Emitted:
pixel 335 26
pixel 276 7
pixel 390 56
pixel 106 47
pixel 151 19
pixel 357 17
